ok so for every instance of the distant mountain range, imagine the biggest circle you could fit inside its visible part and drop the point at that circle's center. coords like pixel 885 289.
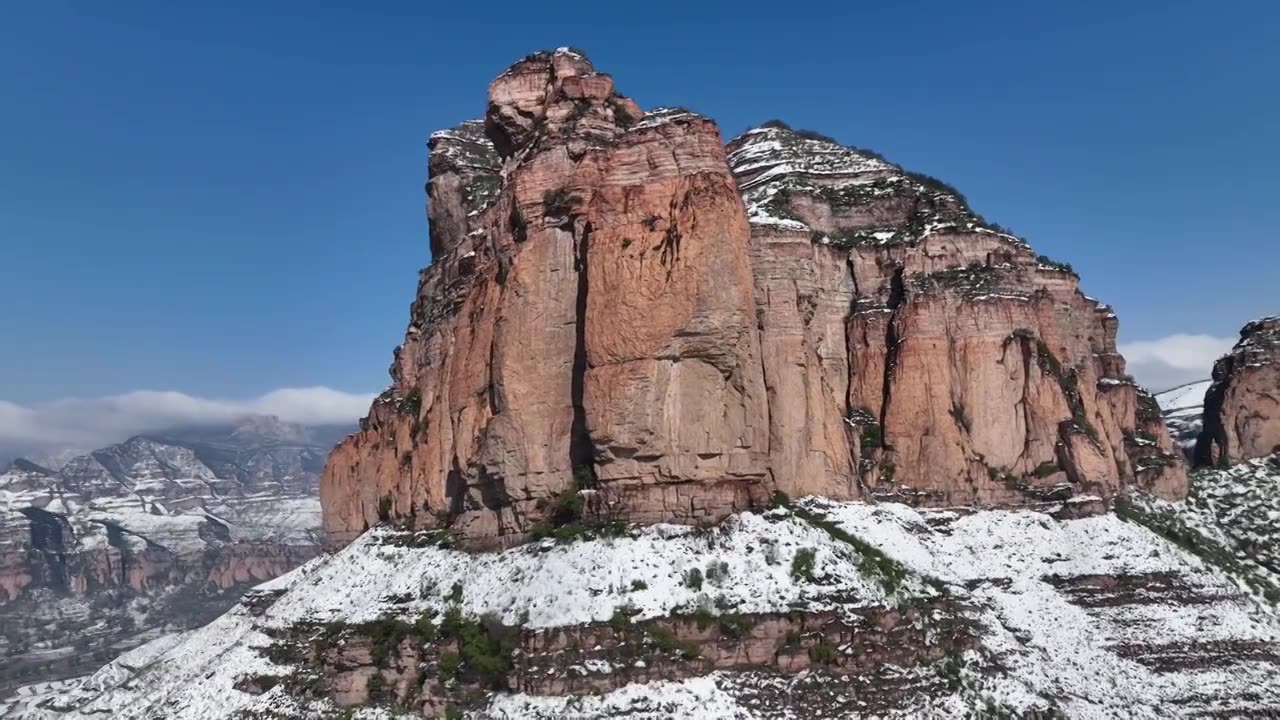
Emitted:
pixel 161 532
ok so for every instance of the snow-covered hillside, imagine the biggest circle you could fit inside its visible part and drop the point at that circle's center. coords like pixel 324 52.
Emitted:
pixel 121 544
pixel 1092 617
pixel 1183 411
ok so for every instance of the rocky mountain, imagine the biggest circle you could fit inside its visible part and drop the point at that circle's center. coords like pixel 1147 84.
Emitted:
pixel 618 301
pixel 900 328
pixel 634 346
pixel 1242 407
pixel 148 536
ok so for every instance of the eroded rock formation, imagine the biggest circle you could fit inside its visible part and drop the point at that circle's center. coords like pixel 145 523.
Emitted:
pixel 586 321
pixel 930 356
pixel 606 330
pixel 1242 406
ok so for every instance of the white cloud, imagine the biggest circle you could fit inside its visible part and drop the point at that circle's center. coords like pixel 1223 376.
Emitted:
pixel 1174 360
pixel 93 422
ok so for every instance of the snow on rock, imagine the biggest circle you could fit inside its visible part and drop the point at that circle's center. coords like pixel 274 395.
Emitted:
pixel 1034 578
pixel 1234 512
pixel 1095 617
pixel 1183 410
pixel 552 585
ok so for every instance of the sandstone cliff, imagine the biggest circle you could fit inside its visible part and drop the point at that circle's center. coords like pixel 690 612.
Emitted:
pixel 1242 406
pixel 930 356
pixel 586 323
pixel 607 331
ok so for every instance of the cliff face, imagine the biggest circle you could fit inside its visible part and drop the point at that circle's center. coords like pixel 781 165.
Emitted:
pixel 927 355
pixel 606 331
pixel 1242 406
pixel 586 323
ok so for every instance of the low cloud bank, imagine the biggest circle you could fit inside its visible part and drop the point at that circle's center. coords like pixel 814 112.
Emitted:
pixel 94 422
pixel 1174 360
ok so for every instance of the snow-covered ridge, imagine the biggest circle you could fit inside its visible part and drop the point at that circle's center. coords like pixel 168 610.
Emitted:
pixel 1067 641
pixel 1183 410
pixel 774 162
pixel 664 115
pixel 1237 512
pixel 748 560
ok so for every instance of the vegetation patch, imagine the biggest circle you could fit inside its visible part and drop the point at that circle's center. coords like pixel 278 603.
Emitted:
pixel 567 519
pixel 871 439
pixel 693 579
pixel 1046 261
pixel 558 202
pixel 802 565
pixel 874 562
pixel 485 648
pixel 823 654
pixel 410 404
pixel 1169 526
pixel 1046 468
pixel 1068 379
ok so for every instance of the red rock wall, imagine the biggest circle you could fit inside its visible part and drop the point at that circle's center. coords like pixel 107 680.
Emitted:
pixel 604 313
pixel 1242 406
pixel 588 324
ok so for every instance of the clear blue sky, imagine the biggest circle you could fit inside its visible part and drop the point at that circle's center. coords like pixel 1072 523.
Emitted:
pixel 226 198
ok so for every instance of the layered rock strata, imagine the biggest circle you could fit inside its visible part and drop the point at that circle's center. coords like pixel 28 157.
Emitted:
pixel 623 323
pixel 915 351
pixel 147 536
pixel 1242 406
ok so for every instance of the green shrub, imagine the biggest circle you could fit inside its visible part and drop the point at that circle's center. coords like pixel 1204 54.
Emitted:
pixel 485 647
pixel 733 627
pixel 666 641
pixel 823 654
pixel 693 579
pixel 887 470
pixel 411 404
pixel 1056 265
pixel 1046 468
pixel 568 508
pixel 872 438
pixel 557 203
pixel 802 565
pixel 638 585
pixel 450 664
pixel 874 562
pixel 717 572
pixel 951 671
pixel 374 686
pixel 621 619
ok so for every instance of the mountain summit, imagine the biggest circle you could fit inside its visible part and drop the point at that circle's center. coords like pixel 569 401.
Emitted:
pixel 625 317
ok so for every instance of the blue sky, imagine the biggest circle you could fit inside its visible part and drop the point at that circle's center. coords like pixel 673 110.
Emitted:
pixel 225 199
